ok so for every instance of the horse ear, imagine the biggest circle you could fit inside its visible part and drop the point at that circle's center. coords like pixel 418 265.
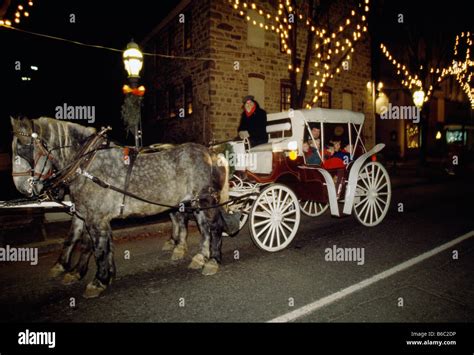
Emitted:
pixel 14 122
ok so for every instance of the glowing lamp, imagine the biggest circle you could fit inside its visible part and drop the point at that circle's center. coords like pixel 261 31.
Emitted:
pixel 133 60
pixel 419 98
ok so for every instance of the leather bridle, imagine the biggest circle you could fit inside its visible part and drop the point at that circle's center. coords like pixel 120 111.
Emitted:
pixel 41 151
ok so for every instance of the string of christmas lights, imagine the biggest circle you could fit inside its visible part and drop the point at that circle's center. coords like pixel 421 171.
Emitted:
pixel 328 46
pixel 462 69
pixel 21 11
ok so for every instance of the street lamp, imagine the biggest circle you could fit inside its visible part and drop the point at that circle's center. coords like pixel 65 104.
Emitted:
pixel 419 98
pixel 133 61
pixel 131 109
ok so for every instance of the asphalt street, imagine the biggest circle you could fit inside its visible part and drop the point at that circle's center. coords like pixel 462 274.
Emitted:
pixel 256 286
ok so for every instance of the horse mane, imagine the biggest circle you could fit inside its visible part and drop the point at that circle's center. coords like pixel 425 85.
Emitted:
pixel 55 133
pixel 60 133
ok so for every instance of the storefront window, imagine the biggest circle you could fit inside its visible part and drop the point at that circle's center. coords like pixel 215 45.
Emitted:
pixel 413 136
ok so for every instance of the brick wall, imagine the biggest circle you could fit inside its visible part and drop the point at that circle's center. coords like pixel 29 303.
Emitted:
pixel 166 73
pixel 220 85
pixel 228 86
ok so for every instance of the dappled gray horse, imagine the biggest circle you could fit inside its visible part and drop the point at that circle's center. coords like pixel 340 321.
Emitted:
pixel 182 174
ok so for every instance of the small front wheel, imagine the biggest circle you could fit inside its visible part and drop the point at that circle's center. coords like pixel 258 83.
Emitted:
pixel 274 218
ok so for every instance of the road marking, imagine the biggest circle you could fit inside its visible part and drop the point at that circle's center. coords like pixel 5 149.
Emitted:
pixel 310 308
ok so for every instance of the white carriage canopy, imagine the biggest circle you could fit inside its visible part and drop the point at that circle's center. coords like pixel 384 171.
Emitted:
pixel 331 116
pixel 300 120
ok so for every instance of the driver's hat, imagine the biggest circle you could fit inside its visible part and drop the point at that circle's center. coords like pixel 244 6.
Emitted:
pixel 248 97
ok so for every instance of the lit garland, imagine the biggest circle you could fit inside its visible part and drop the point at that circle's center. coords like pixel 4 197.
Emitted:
pixel 457 68
pixel 327 46
pixel 21 10
pixel 464 70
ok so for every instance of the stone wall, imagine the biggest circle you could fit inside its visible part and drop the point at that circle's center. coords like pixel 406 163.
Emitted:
pixel 166 73
pixel 229 46
pixel 221 33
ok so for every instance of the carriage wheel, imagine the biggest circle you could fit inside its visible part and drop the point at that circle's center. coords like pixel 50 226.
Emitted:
pixel 373 193
pixel 313 208
pixel 274 218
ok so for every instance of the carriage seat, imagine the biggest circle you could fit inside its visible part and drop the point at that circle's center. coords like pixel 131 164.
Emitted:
pixel 263 153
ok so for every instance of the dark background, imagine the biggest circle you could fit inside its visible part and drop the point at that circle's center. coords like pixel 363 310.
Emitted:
pixel 69 73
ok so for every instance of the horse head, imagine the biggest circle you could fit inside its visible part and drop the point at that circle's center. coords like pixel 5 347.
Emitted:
pixel 31 160
pixel 40 146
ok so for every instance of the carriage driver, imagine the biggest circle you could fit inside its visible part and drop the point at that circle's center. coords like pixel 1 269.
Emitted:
pixel 253 122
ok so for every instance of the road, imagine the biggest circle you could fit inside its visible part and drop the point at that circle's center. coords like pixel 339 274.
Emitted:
pixel 260 286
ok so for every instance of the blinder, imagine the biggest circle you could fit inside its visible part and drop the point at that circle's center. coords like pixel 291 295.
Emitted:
pixel 35 154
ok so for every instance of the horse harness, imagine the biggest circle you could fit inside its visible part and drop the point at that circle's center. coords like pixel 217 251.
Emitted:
pixel 42 152
pixel 83 160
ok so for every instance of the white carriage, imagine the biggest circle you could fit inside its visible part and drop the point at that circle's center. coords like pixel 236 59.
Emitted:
pixel 285 183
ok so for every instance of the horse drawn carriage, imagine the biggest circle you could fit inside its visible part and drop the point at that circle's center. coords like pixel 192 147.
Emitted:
pixel 283 184
pixel 272 184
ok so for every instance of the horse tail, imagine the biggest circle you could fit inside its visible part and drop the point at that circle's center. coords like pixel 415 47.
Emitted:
pixel 221 176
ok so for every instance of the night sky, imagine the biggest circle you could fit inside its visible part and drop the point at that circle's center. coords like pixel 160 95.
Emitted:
pixel 68 73
pixel 79 75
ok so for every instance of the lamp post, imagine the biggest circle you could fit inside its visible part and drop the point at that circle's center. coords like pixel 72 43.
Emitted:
pixel 131 109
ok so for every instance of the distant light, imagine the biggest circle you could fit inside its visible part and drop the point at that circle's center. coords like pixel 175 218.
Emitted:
pixel 438 135
pixel 34 67
pixel 25 78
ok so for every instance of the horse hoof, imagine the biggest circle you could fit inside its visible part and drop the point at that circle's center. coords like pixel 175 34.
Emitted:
pixel 198 262
pixel 210 268
pixel 56 270
pixel 71 278
pixel 178 253
pixel 93 291
pixel 169 245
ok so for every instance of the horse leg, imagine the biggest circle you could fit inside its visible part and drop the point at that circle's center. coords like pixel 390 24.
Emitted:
pixel 64 262
pixel 173 241
pixel 181 248
pixel 80 270
pixel 200 259
pixel 215 225
pixel 101 235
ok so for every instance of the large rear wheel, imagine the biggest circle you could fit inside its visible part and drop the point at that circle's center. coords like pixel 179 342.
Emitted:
pixel 372 195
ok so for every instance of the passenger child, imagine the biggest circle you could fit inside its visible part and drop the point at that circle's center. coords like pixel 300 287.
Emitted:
pixel 311 154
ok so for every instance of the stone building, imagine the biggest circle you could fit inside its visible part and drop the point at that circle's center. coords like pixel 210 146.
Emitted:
pixel 223 57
